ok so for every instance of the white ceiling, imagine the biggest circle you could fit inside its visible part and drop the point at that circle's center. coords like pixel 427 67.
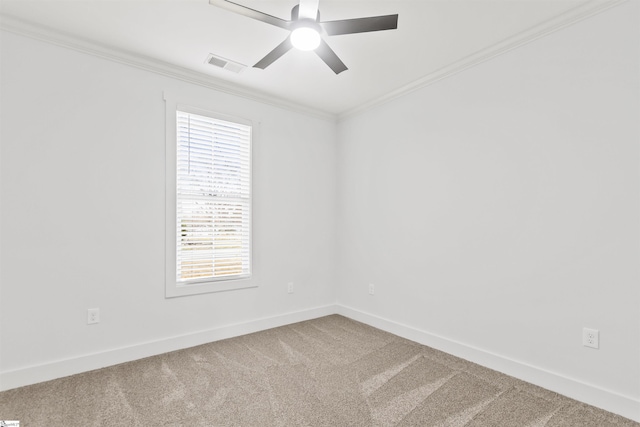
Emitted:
pixel 434 38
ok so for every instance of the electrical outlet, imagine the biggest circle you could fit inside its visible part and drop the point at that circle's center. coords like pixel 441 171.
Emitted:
pixel 290 287
pixel 372 289
pixel 590 338
pixel 93 316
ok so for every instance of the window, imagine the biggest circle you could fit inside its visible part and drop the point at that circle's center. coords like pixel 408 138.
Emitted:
pixel 209 176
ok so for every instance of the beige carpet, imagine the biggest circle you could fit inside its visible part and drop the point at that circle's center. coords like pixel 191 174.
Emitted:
pixel 330 371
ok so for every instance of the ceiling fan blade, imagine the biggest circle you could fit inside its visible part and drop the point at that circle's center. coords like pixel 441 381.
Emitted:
pixel 330 58
pixel 360 25
pixel 251 13
pixel 276 53
pixel 308 9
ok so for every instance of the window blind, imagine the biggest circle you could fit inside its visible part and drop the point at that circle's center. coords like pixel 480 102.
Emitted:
pixel 213 199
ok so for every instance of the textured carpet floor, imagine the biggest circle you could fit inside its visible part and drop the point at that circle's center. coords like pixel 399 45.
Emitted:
pixel 330 371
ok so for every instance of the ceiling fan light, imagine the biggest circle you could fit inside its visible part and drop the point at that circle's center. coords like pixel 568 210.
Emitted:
pixel 305 38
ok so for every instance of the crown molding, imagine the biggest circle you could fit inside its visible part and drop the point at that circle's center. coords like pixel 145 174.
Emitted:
pixel 39 32
pixel 570 17
pixel 42 33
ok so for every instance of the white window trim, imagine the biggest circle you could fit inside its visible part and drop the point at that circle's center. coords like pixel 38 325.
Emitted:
pixel 172 287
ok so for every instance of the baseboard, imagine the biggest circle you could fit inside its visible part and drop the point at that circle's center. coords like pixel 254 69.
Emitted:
pixel 62 368
pixel 605 399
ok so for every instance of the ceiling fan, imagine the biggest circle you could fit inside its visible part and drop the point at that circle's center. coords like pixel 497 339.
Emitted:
pixel 306 29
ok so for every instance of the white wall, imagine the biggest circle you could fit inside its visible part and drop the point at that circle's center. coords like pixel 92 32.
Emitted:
pixel 83 143
pixel 498 209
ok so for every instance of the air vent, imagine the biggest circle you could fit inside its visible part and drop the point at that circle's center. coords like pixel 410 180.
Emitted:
pixel 227 64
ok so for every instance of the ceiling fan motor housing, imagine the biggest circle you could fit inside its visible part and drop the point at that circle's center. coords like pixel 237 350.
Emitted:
pixel 295 13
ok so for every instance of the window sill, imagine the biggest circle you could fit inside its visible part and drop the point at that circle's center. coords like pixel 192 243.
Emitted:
pixel 180 290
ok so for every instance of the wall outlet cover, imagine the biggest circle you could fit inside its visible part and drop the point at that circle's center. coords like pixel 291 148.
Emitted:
pixel 93 316
pixel 591 338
